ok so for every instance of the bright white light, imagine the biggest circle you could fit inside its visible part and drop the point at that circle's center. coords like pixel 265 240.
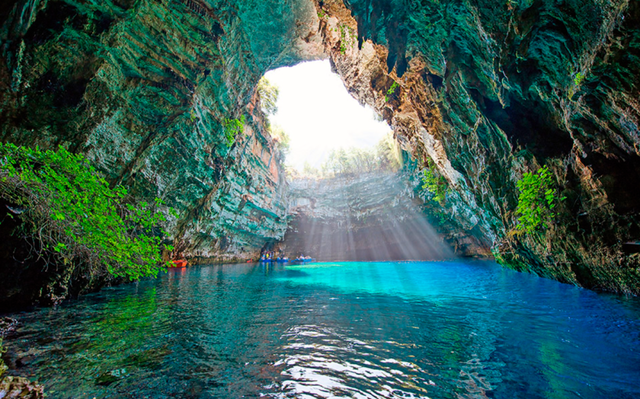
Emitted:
pixel 318 114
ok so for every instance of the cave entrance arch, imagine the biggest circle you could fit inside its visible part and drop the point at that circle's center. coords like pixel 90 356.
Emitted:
pixel 349 196
pixel 319 116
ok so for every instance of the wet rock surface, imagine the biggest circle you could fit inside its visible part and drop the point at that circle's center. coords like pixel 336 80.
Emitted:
pixel 12 387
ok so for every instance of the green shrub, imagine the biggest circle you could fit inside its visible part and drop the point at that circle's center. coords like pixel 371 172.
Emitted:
pixel 268 94
pixel 391 90
pixel 352 161
pixel 71 215
pixel 434 184
pixel 232 128
pixel 283 142
pixel 536 200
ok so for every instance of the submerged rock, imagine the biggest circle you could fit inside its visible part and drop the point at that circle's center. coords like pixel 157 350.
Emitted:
pixel 110 377
pixel 18 387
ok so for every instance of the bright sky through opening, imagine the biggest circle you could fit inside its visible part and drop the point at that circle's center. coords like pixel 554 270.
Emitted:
pixel 318 114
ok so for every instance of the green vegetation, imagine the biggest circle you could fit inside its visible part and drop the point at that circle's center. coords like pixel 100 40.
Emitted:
pixel 268 96
pixel 72 217
pixel 579 78
pixel 536 200
pixel 322 14
pixel 351 161
pixel 281 138
pixel 232 128
pixel 388 153
pixel 434 184
pixel 391 90
pixel 347 38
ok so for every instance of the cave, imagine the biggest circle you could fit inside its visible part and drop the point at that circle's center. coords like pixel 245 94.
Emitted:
pixel 517 126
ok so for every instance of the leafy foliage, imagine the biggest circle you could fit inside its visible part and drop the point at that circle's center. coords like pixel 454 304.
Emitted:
pixel 268 93
pixel 70 213
pixel 391 90
pixel 232 128
pixel 281 137
pixel 536 200
pixel 388 153
pixel 351 161
pixel 347 38
pixel 434 184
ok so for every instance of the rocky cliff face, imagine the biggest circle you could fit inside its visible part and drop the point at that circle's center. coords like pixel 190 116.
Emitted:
pixel 147 90
pixel 484 90
pixel 488 91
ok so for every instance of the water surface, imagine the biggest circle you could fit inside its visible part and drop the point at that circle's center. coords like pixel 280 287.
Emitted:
pixel 336 330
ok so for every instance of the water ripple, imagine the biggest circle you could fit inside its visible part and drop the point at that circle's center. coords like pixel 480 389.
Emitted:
pixel 322 362
pixel 348 330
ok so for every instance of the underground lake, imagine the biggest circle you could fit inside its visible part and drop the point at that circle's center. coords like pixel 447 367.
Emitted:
pixel 447 329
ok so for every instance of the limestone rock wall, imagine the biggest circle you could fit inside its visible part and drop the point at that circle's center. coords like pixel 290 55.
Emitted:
pixel 144 87
pixel 490 90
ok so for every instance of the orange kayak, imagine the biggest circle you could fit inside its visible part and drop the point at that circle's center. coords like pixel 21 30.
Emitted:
pixel 179 263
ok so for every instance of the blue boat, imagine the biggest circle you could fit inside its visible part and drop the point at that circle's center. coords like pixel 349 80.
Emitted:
pixel 304 259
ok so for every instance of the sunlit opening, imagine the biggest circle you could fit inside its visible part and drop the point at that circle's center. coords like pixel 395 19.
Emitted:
pixel 317 113
pixel 349 195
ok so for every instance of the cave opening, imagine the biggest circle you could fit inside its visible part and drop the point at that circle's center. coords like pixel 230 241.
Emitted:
pixel 349 193
pixel 319 116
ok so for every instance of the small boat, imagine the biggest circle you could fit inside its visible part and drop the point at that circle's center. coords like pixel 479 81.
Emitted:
pixel 304 259
pixel 178 264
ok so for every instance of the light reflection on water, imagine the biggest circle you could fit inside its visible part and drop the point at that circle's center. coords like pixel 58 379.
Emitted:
pixel 336 330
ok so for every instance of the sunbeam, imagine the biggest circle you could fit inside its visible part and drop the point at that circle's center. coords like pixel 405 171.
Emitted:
pixel 363 218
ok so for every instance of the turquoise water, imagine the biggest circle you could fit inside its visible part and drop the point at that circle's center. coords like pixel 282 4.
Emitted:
pixel 336 330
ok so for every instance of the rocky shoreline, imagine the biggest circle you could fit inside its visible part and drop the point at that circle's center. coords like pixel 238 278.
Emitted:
pixel 12 387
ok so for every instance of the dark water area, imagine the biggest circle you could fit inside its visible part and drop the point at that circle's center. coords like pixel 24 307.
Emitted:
pixel 336 330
